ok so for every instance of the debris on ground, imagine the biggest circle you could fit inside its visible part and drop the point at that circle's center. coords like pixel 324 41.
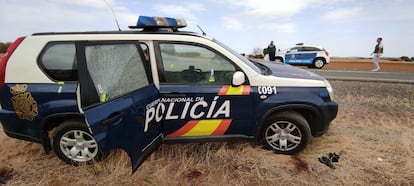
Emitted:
pixel 332 157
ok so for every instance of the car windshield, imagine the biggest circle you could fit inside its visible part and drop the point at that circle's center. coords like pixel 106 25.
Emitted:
pixel 242 58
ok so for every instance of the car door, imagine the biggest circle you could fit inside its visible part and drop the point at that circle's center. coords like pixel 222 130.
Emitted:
pixel 293 56
pixel 301 55
pixel 198 98
pixel 117 97
pixel 308 54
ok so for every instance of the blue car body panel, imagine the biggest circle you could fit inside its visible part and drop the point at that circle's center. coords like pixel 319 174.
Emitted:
pixel 300 58
pixel 207 103
pixel 121 123
pixel 23 113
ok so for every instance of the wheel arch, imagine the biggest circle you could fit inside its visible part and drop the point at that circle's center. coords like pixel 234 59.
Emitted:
pixel 320 57
pixel 52 121
pixel 280 58
pixel 311 114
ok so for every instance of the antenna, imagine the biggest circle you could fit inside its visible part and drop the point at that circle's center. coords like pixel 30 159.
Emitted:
pixel 113 14
pixel 201 30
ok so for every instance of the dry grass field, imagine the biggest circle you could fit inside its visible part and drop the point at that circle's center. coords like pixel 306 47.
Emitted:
pixel 373 134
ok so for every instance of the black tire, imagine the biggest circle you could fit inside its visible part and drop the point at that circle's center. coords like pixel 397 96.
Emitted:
pixel 285 133
pixel 74 144
pixel 319 63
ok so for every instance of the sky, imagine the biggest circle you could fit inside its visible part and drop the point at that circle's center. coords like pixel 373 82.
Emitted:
pixel 346 28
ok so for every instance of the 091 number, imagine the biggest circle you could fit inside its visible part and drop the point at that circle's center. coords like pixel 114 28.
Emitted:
pixel 267 90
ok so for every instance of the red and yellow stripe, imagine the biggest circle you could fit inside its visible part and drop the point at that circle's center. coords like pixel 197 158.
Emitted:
pixel 203 128
pixel 230 90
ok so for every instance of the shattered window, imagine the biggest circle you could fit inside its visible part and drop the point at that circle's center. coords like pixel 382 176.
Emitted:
pixel 115 69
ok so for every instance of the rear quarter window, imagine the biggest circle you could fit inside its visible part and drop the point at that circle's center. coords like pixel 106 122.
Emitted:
pixel 58 61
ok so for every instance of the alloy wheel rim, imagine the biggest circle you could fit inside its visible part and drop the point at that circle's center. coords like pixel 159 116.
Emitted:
pixel 319 63
pixel 283 136
pixel 78 146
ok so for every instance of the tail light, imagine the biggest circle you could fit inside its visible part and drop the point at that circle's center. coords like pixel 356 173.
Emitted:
pixel 327 53
pixel 5 58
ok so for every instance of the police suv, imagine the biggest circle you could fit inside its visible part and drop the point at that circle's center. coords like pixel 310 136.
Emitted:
pixel 85 93
pixel 304 55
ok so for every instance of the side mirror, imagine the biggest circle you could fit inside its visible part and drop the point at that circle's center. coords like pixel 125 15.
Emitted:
pixel 238 78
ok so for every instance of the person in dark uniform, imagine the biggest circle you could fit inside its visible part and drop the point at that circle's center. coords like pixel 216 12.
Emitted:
pixel 271 49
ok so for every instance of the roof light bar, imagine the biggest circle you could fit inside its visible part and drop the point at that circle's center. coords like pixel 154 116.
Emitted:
pixel 147 22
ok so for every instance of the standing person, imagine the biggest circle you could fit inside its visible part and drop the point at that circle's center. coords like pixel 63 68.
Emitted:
pixel 379 49
pixel 271 49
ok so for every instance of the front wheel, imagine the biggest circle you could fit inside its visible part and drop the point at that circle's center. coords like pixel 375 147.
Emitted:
pixel 279 59
pixel 74 144
pixel 285 133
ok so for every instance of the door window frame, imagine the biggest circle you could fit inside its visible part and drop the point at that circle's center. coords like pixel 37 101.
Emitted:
pixel 92 98
pixel 160 62
pixel 48 72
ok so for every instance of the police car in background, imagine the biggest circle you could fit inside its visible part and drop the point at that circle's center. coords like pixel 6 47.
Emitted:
pixel 85 93
pixel 304 55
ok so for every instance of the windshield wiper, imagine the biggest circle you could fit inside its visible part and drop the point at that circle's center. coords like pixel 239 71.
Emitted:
pixel 265 70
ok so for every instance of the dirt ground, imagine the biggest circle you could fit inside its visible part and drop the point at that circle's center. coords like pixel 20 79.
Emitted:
pixel 366 64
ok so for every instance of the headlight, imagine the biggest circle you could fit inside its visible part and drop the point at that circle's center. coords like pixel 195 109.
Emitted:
pixel 330 89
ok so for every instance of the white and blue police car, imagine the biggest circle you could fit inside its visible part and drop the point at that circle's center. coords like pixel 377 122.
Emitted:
pixel 85 93
pixel 304 55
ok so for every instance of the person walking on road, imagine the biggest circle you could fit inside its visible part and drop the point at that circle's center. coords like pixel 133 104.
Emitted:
pixel 379 49
pixel 271 49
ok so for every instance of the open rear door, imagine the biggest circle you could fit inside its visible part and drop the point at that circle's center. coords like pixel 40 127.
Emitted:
pixel 116 93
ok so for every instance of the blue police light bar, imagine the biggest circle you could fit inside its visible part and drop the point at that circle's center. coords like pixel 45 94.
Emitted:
pixel 159 22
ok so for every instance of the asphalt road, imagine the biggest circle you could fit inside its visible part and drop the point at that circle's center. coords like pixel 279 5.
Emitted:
pixel 397 77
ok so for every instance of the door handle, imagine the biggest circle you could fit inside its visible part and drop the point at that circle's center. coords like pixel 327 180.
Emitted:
pixel 113 118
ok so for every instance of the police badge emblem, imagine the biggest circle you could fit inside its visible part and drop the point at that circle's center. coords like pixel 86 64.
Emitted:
pixel 23 103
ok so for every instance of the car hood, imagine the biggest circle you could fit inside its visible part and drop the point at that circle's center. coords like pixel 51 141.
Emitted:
pixel 287 71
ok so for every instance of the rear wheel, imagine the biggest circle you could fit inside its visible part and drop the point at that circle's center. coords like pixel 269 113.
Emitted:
pixel 74 144
pixel 319 63
pixel 285 133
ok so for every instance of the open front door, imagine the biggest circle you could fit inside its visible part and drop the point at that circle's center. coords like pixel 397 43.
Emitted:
pixel 116 93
